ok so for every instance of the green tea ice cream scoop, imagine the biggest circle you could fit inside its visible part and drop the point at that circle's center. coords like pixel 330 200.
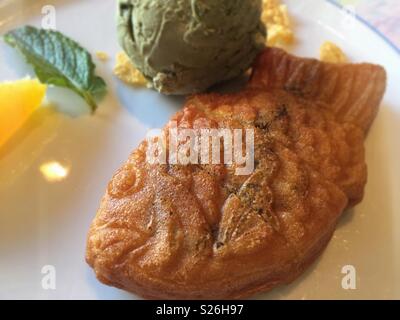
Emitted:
pixel 186 46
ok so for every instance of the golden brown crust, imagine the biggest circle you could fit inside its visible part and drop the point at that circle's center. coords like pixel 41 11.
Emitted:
pixel 201 232
pixel 352 92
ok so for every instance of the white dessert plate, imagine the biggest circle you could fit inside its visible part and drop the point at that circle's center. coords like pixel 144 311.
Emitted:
pixel 54 172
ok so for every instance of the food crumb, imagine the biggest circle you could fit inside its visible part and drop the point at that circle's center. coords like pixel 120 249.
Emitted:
pixel 127 72
pixel 330 52
pixel 102 56
pixel 276 17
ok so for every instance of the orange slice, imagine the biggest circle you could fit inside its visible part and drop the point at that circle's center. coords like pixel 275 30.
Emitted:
pixel 18 100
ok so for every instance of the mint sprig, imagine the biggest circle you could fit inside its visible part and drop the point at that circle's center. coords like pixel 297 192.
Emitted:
pixel 58 60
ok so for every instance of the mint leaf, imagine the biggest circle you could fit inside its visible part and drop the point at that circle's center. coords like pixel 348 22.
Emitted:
pixel 58 60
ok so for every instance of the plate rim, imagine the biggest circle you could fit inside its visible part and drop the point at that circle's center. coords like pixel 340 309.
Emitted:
pixel 365 22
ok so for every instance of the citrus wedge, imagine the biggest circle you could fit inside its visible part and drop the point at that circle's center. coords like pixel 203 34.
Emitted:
pixel 18 100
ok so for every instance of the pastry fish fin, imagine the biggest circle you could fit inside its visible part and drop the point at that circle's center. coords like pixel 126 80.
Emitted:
pixel 353 92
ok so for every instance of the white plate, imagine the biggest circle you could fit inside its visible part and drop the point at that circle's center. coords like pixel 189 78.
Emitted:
pixel 44 223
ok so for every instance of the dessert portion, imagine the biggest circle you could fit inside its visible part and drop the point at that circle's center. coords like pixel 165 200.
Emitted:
pixel 199 231
pixel 185 47
pixel 276 18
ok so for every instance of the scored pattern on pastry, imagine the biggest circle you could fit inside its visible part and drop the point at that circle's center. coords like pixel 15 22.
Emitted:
pixel 202 232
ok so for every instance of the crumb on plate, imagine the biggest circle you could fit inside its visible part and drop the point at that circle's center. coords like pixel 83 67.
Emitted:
pixel 330 52
pixel 276 17
pixel 126 71
pixel 102 56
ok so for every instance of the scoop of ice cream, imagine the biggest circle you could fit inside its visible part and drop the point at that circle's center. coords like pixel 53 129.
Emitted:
pixel 186 46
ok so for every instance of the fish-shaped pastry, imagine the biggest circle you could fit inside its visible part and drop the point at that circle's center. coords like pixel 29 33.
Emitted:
pixel 202 231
